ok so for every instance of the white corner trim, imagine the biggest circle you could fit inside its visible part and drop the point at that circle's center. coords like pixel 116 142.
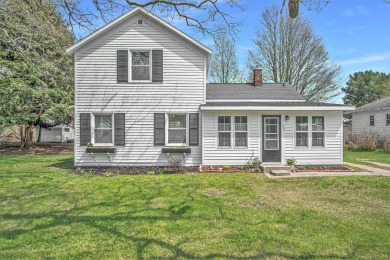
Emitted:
pixel 118 20
pixel 278 108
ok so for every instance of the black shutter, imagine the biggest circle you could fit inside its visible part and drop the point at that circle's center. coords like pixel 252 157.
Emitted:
pixel 122 63
pixel 159 129
pixel 85 128
pixel 119 125
pixel 194 129
pixel 157 61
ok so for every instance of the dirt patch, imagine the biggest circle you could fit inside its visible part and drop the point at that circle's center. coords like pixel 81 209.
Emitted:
pixel 215 191
pixel 50 149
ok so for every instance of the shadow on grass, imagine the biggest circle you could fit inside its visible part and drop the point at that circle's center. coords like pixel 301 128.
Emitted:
pixel 65 164
pixel 105 225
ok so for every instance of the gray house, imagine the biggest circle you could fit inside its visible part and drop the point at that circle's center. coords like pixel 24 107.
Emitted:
pixel 141 95
pixel 373 117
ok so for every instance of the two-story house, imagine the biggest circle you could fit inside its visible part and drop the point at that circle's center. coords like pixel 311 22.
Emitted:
pixel 140 88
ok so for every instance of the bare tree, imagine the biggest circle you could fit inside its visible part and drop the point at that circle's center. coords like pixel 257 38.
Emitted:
pixel 224 64
pixel 289 51
pixel 203 15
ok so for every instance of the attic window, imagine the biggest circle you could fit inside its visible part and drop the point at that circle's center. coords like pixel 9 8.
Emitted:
pixel 140 22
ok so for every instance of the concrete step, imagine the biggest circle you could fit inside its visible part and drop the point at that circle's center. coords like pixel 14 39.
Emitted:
pixel 267 168
pixel 280 173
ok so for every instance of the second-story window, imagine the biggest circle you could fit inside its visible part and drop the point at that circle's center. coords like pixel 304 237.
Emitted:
pixel 140 65
pixel 372 120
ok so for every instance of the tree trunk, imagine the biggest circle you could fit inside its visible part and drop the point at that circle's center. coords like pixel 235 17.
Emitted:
pixel 28 137
pixel 39 134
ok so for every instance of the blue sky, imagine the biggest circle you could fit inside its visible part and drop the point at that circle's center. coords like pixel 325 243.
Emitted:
pixel 356 33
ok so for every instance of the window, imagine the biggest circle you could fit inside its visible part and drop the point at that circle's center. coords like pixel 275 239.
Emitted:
pixel 302 131
pixel 66 129
pixel 103 129
pixel 318 131
pixel 372 120
pixel 387 119
pixel 224 131
pixel 177 129
pixel 241 131
pixel 140 65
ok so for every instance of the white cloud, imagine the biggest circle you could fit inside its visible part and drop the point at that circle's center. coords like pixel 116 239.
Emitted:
pixel 367 59
pixel 356 10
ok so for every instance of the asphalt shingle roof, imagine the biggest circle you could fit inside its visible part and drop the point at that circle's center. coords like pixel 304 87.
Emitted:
pixel 379 104
pixel 271 104
pixel 247 91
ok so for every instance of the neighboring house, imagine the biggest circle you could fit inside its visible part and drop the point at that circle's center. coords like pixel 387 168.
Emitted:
pixel 140 89
pixel 373 117
pixel 56 134
pixel 347 129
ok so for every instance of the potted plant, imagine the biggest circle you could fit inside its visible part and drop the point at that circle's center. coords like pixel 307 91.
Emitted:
pixel 292 162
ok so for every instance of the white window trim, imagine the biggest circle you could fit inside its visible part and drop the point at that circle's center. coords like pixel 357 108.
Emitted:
pixel 308 132
pixel 309 142
pixel 311 134
pixel 130 62
pixel 167 129
pixel 369 120
pixel 234 131
pixel 278 132
pixel 93 129
pixel 231 133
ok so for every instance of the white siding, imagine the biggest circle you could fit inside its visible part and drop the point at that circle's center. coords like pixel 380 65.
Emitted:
pixel 98 92
pixel 331 154
pixel 361 122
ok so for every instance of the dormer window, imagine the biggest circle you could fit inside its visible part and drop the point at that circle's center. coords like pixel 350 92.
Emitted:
pixel 140 66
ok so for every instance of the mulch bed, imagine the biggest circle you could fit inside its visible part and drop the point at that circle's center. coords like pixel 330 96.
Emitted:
pixel 131 170
pixel 41 149
pixel 219 168
pixel 322 168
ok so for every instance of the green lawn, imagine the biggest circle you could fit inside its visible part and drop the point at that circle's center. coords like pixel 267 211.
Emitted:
pixel 375 156
pixel 46 212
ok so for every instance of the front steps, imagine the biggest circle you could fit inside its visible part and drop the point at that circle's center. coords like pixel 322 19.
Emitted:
pixel 268 168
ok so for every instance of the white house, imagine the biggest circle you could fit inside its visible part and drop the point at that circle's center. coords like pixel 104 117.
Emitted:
pixel 373 117
pixel 141 92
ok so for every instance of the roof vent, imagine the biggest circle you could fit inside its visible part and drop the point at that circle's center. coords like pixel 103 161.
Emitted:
pixel 140 22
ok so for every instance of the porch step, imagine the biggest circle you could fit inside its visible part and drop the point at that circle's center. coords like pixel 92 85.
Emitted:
pixel 280 173
pixel 267 168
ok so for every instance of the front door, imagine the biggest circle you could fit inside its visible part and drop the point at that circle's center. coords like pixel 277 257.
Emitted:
pixel 271 139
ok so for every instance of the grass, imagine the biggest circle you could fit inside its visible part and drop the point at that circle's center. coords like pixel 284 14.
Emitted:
pixel 375 156
pixel 46 212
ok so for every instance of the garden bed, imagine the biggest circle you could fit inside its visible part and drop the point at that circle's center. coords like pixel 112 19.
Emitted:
pixel 226 168
pixel 131 170
pixel 322 168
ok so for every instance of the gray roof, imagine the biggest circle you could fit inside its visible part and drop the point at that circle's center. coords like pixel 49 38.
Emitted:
pixel 379 104
pixel 272 104
pixel 247 91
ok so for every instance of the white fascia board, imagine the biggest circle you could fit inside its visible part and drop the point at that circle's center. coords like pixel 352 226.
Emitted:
pixel 252 100
pixel 118 20
pixel 278 108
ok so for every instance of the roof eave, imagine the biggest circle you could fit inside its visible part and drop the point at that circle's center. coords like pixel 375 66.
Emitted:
pixel 71 50
pixel 278 108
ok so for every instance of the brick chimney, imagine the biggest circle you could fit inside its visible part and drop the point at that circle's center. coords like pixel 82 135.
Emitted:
pixel 258 76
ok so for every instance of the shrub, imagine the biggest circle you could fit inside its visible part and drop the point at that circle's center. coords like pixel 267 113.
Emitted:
pixel 363 141
pixel 241 167
pixel 151 173
pixel 175 165
pixel 226 167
